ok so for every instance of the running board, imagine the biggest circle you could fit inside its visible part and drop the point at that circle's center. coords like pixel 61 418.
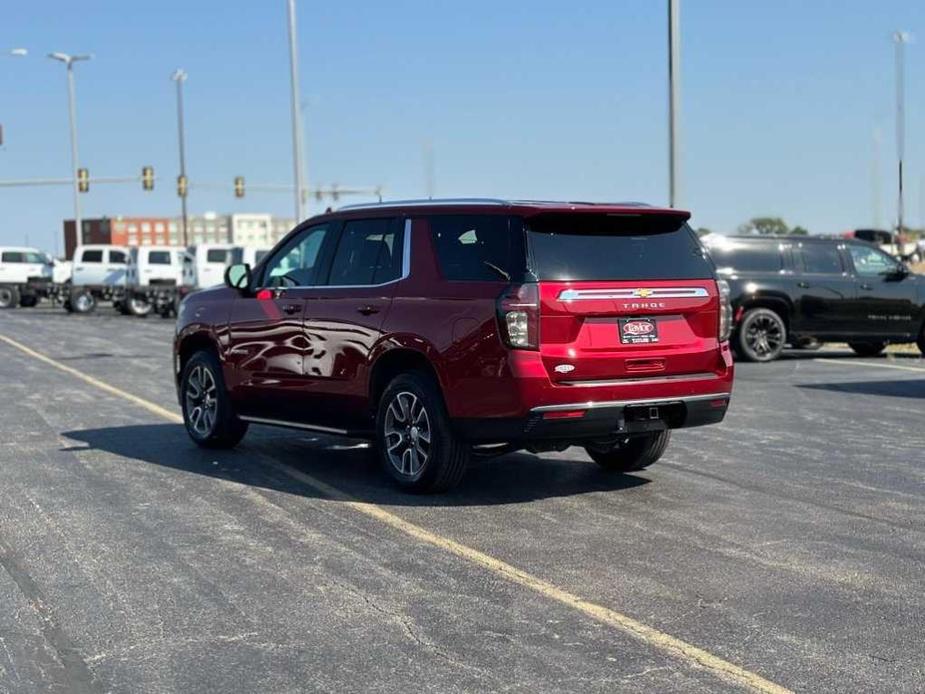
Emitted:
pixel 317 428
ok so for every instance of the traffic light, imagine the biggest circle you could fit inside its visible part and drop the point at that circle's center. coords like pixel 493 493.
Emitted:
pixel 182 186
pixel 239 186
pixel 147 178
pixel 83 180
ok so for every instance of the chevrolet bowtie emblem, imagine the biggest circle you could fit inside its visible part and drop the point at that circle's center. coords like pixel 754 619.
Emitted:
pixel 642 293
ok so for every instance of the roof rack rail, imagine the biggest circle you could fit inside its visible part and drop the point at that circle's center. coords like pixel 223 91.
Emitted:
pixel 425 202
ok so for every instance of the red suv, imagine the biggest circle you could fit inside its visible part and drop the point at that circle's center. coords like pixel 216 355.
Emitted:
pixel 449 329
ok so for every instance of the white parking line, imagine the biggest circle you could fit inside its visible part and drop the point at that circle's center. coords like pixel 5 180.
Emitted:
pixel 875 365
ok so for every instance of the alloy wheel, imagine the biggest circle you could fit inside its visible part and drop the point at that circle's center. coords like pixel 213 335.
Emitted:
pixel 764 335
pixel 201 403
pixel 407 434
pixel 6 297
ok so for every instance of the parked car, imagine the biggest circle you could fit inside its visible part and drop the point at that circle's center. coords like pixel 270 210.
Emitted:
pixel 98 274
pixel 443 330
pixel 251 255
pixel 204 264
pixel 795 291
pixel 25 276
pixel 153 280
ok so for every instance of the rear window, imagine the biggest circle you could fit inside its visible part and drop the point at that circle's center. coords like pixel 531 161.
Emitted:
pixel 159 257
pixel 118 257
pixel 731 257
pixel 477 248
pixel 611 247
pixel 216 255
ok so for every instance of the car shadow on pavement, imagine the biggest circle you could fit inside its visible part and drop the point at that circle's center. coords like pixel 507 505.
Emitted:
pixel 905 388
pixel 347 465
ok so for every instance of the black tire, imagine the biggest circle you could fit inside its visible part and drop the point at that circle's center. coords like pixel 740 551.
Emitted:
pixel 9 297
pixel 761 335
pixel 138 307
pixel 82 301
pixel 445 456
pixel 632 453
pixel 867 349
pixel 28 301
pixel 223 429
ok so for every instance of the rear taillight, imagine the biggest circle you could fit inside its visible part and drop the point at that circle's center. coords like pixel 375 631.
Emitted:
pixel 725 310
pixel 519 316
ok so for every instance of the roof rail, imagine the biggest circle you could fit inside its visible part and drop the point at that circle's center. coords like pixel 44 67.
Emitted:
pixel 425 202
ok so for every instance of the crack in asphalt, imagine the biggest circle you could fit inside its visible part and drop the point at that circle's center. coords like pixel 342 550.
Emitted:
pixel 79 679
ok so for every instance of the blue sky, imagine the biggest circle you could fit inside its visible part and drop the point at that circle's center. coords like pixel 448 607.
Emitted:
pixel 537 99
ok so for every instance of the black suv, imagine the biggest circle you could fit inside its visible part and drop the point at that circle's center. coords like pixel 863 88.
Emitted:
pixel 803 291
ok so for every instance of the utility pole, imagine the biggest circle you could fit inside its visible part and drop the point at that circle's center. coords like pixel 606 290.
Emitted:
pixel 69 61
pixel 674 99
pixel 296 116
pixel 900 38
pixel 875 180
pixel 179 76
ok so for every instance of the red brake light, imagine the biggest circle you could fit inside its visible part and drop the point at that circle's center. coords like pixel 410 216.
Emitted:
pixel 519 316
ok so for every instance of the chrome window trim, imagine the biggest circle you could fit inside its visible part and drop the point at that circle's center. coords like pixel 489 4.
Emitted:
pixel 591 405
pixel 569 295
pixel 405 267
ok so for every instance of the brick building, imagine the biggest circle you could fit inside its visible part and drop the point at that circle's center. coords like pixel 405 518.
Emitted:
pixel 119 231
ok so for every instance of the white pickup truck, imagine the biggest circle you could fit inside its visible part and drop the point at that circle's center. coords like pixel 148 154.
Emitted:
pixel 154 280
pixel 204 265
pixel 97 274
pixel 25 276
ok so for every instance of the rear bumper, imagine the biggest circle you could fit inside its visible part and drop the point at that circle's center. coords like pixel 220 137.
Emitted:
pixel 603 419
pixel 537 408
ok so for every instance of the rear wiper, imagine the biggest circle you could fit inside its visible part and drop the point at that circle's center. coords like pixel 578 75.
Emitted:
pixel 497 269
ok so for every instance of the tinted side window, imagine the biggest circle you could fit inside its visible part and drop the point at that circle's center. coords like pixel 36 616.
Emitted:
pixel 92 256
pixel 118 257
pixel 821 258
pixel 216 255
pixel 746 258
pixel 297 264
pixel 871 262
pixel 476 247
pixel 12 257
pixel 369 252
pixel 159 257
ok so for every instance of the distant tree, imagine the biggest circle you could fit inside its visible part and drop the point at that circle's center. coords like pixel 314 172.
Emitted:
pixel 765 226
pixel 703 231
pixel 799 231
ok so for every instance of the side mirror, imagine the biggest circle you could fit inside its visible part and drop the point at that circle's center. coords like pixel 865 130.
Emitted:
pixel 899 273
pixel 238 276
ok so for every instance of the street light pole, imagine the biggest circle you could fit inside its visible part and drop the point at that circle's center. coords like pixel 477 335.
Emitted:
pixel 674 98
pixel 179 76
pixel 69 61
pixel 296 116
pixel 900 38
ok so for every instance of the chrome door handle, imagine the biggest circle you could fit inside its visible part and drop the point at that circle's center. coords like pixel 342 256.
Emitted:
pixel 368 310
pixel 866 286
pixel 292 308
pixel 803 285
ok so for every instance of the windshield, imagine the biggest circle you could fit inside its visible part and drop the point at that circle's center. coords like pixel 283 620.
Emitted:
pixel 615 247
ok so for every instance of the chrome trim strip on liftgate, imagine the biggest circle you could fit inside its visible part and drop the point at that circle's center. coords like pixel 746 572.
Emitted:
pixel 652 402
pixel 639 293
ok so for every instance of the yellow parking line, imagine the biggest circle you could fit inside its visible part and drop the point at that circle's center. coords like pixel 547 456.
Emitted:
pixel 876 365
pixel 674 646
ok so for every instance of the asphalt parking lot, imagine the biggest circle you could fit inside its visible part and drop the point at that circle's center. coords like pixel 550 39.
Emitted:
pixel 785 548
